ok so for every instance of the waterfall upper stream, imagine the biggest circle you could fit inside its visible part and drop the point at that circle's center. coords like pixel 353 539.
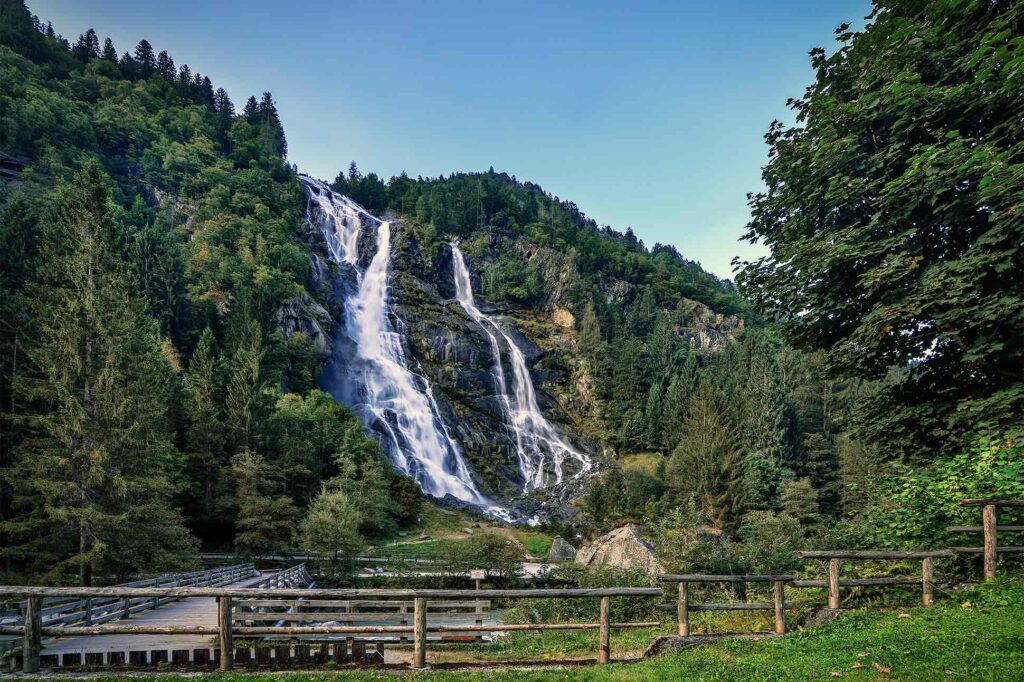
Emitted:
pixel 368 369
pixel 539 447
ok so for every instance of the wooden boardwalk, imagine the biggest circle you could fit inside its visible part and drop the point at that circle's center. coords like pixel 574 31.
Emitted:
pixel 194 611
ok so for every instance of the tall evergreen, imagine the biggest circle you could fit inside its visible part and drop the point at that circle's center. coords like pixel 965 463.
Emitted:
pixel 101 440
pixel 109 52
pixel 145 57
pixel 165 66
pixel 87 47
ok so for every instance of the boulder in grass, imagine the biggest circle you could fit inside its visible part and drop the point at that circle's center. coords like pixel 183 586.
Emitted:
pixel 561 551
pixel 623 547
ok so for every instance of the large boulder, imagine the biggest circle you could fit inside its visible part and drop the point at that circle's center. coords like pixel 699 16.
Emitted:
pixel 561 551
pixel 623 547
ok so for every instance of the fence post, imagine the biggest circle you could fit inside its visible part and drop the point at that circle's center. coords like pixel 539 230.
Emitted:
pixel 33 634
pixel 683 609
pixel 419 632
pixel 988 522
pixel 225 636
pixel 927 589
pixel 779 596
pixel 88 611
pixel 833 583
pixel 604 647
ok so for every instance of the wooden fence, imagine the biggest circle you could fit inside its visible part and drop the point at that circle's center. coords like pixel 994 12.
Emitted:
pixel 990 529
pixel 836 557
pixel 263 609
pixel 226 630
pixel 684 606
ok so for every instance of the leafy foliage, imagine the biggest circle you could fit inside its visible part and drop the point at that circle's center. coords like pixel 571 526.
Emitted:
pixel 892 215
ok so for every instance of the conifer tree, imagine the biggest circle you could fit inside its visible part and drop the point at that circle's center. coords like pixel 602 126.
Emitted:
pixel 706 463
pixel 109 53
pixel 98 461
pixel 184 81
pixel 87 47
pixel 204 435
pixel 145 57
pixel 245 386
pixel 251 111
pixel 165 66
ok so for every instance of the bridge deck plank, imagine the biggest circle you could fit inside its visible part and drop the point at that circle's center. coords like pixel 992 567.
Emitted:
pixel 193 611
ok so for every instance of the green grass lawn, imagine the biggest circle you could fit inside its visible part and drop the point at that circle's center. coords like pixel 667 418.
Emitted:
pixel 977 635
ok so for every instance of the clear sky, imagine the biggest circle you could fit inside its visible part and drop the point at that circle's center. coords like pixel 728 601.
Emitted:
pixel 648 115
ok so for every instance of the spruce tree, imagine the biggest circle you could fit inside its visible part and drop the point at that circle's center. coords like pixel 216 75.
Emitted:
pixel 245 387
pixel 204 435
pixel 165 66
pixel 109 53
pixel 96 463
pixel 87 47
pixel 707 462
pixel 145 57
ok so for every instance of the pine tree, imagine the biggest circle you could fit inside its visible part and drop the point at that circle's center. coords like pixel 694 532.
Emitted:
pixel 145 57
pixel 97 467
pixel 184 81
pixel 706 463
pixel 109 53
pixel 676 403
pixel 251 112
pixel 245 387
pixel 87 47
pixel 165 66
pixel 204 435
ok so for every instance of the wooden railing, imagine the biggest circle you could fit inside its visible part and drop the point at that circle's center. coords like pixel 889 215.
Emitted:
pixel 990 548
pixel 33 630
pixel 836 557
pixel 56 611
pixel 684 606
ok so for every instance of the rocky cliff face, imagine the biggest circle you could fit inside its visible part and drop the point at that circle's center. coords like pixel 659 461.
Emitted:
pixel 452 351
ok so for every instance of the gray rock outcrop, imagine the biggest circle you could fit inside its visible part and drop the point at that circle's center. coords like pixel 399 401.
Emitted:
pixel 561 551
pixel 623 547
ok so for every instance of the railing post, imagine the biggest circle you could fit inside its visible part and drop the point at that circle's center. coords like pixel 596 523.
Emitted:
pixel 33 634
pixel 683 609
pixel 88 611
pixel 988 523
pixel 833 583
pixel 604 647
pixel 927 574
pixel 225 636
pixel 419 632
pixel 779 597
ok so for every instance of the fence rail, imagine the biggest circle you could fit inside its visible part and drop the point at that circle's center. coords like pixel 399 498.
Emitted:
pixel 835 561
pixel 683 605
pixel 990 529
pixel 33 629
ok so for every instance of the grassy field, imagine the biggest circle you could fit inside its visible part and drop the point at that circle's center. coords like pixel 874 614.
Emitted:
pixel 978 635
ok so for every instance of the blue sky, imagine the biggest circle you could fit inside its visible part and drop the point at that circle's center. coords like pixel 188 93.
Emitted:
pixel 646 114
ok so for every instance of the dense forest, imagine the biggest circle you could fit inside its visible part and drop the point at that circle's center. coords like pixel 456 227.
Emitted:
pixel 870 370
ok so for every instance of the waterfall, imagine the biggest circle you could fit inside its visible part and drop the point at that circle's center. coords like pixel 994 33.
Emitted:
pixel 540 449
pixel 393 403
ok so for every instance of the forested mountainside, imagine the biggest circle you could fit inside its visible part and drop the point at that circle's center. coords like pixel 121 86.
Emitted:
pixel 145 169
pixel 189 326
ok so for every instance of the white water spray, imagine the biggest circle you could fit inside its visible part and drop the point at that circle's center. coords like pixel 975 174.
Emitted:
pixel 540 449
pixel 391 399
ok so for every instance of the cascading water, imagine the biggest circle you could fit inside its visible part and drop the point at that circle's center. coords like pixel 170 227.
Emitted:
pixel 391 400
pixel 538 445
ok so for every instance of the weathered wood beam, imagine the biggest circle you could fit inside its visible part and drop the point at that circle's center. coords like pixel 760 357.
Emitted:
pixel 872 554
pixel 298 593
pixel 705 578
